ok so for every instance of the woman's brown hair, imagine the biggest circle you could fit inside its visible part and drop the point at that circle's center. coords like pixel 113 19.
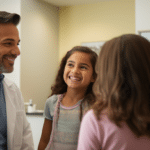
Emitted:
pixel 123 82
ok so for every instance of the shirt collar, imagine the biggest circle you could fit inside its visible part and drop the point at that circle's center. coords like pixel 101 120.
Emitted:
pixel 1 77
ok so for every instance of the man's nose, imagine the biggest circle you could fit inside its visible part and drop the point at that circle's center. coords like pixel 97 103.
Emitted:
pixel 16 51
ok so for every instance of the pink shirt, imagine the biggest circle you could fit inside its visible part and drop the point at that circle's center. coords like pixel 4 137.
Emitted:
pixel 105 135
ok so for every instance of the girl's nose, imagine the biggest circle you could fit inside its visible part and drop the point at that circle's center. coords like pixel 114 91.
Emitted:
pixel 75 70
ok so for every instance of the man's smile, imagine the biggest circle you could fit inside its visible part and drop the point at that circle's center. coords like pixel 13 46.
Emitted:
pixel 10 58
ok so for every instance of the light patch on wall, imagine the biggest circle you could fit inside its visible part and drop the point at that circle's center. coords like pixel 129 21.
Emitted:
pixel 95 46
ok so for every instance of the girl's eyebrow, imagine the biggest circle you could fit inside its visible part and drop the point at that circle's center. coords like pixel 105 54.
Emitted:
pixel 70 61
pixel 84 64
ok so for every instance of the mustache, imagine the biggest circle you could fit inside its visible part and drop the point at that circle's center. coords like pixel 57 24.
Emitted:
pixel 12 56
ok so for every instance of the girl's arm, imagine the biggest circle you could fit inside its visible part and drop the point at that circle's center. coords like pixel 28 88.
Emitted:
pixel 46 132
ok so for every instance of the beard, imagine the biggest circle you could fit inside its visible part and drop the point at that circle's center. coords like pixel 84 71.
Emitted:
pixel 3 69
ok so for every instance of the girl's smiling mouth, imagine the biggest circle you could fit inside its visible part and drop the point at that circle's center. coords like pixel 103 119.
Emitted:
pixel 74 78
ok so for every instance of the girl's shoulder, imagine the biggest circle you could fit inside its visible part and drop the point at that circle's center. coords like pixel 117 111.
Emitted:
pixel 52 100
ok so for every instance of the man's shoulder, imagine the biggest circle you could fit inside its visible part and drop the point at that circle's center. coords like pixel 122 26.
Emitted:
pixel 8 81
pixel 10 84
pixel 11 89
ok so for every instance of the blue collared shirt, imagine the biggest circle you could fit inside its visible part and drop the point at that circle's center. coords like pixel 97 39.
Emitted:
pixel 3 117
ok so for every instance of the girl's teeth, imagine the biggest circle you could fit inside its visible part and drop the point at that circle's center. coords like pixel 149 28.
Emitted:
pixel 73 78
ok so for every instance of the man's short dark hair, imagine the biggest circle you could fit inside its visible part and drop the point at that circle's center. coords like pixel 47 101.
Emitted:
pixel 6 17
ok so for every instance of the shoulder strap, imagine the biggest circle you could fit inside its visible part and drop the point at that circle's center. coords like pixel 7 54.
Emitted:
pixel 54 120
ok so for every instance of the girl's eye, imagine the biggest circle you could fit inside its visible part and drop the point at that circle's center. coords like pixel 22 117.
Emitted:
pixel 70 65
pixel 83 67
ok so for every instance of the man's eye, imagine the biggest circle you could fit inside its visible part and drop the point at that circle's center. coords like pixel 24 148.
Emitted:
pixel 8 44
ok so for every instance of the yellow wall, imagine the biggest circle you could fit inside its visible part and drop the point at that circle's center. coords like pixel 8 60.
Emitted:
pixel 94 22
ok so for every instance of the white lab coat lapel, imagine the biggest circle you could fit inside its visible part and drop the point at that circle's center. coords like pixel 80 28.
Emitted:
pixel 11 112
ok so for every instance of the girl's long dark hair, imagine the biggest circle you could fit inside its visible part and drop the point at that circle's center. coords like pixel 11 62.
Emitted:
pixel 60 86
pixel 123 82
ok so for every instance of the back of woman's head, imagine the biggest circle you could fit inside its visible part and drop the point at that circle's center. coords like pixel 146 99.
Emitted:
pixel 60 86
pixel 123 82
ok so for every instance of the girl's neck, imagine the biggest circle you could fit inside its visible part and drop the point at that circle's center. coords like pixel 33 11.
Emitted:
pixel 72 97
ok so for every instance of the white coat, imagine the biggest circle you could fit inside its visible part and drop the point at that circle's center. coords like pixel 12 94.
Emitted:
pixel 19 134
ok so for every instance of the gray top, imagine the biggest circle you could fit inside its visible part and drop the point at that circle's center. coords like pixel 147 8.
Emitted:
pixel 50 107
pixel 68 125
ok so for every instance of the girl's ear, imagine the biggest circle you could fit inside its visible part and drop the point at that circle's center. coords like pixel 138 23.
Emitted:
pixel 92 80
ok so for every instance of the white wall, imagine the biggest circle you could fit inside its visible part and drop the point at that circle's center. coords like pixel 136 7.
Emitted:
pixel 39 50
pixel 142 15
pixel 13 6
pixel 36 123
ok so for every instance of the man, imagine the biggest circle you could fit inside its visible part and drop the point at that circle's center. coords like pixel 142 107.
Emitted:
pixel 15 131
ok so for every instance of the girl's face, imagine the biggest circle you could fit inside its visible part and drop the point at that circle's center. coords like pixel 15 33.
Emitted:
pixel 78 72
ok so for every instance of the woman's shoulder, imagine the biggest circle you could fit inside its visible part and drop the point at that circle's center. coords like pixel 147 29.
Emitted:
pixel 92 118
pixel 89 115
pixel 104 125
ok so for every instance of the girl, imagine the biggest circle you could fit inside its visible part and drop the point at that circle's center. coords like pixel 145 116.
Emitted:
pixel 71 93
pixel 120 118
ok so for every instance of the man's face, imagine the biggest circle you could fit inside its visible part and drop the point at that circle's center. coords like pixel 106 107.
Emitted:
pixel 9 41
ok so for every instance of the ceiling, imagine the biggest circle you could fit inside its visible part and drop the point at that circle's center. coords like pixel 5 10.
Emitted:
pixel 72 2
